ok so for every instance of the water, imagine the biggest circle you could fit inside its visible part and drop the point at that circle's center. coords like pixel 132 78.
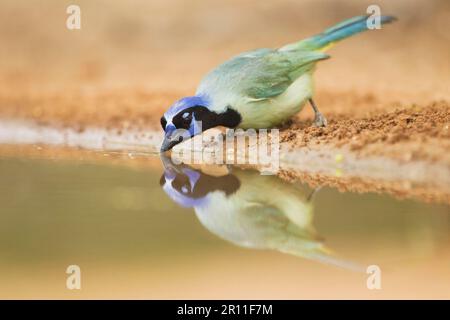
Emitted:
pixel 148 231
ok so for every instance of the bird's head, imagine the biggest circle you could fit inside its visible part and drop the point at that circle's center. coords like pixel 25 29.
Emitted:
pixel 191 116
pixel 189 187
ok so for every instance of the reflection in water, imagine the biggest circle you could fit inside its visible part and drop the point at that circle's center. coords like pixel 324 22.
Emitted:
pixel 250 210
pixel 118 226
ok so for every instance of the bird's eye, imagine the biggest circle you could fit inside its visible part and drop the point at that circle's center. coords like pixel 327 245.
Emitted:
pixel 182 120
pixel 186 120
pixel 163 122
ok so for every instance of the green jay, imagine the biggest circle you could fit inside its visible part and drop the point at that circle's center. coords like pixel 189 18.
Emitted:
pixel 257 89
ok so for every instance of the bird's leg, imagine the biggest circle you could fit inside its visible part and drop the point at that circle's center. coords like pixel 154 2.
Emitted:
pixel 313 193
pixel 319 119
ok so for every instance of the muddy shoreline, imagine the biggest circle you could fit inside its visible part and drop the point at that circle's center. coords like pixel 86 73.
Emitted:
pixel 320 165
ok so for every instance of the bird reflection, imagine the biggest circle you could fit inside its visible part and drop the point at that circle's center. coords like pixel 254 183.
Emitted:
pixel 249 210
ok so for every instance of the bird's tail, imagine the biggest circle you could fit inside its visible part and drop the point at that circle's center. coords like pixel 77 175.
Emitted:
pixel 316 251
pixel 340 31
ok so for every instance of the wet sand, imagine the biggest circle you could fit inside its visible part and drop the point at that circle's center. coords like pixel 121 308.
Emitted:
pixel 428 187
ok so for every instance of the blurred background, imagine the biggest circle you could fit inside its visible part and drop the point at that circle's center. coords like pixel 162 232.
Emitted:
pixel 136 57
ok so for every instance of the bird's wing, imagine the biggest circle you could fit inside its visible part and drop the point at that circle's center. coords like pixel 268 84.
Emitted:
pixel 260 74
pixel 270 75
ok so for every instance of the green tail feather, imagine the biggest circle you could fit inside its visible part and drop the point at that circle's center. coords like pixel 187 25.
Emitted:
pixel 336 33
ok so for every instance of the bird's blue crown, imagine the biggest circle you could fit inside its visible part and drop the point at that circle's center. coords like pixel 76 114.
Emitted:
pixel 185 103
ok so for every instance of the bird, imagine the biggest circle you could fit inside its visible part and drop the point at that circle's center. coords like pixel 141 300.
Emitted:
pixel 235 207
pixel 257 89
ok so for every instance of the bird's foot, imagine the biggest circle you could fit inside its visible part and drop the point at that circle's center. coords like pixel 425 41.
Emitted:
pixel 320 120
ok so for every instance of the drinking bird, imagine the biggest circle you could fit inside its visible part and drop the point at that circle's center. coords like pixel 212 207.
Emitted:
pixel 257 89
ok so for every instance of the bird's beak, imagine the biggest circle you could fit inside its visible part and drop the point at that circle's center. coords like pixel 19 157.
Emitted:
pixel 171 139
pixel 169 165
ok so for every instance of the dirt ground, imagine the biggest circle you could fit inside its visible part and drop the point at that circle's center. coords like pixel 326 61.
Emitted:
pixel 385 92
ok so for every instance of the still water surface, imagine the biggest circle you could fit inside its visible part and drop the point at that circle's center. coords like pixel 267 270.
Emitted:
pixel 177 232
